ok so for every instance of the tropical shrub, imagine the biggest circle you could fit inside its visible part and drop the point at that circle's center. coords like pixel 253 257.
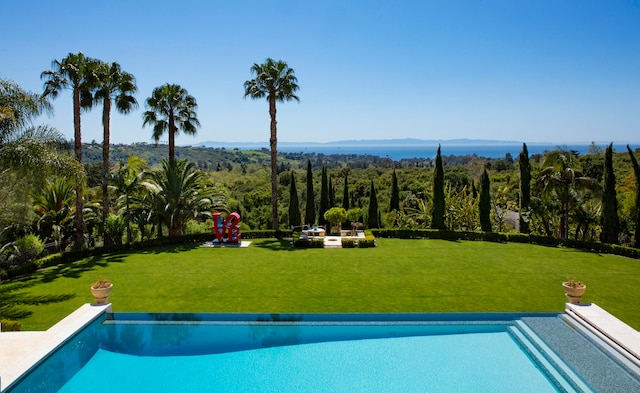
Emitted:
pixel 114 228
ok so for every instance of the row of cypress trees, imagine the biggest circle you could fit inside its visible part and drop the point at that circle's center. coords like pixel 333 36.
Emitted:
pixel 327 200
pixel 609 217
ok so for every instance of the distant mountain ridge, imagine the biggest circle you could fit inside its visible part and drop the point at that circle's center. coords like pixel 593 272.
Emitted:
pixel 366 142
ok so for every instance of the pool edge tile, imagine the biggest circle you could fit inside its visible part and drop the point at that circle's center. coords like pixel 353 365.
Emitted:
pixel 26 349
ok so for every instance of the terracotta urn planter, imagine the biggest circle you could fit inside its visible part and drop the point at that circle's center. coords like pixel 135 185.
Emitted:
pixel 574 291
pixel 101 290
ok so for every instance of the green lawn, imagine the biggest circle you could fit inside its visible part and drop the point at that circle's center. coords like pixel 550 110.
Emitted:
pixel 396 276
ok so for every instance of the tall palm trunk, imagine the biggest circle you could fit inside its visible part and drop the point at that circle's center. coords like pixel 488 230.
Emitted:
pixel 106 114
pixel 79 219
pixel 172 139
pixel 564 219
pixel 273 141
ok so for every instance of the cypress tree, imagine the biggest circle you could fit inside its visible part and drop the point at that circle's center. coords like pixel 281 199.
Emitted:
pixel 437 214
pixel 324 199
pixel 294 204
pixel 609 217
pixel 525 187
pixel 372 217
pixel 345 194
pixel 345 201
pixel 394 202
pixel 484 204
pixel 310 209
pixel 636 170
pixel 332 193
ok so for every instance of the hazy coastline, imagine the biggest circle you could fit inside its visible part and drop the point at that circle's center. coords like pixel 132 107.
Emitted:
pixel 398 149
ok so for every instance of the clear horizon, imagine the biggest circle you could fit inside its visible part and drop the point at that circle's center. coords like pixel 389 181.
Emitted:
pixel 537 72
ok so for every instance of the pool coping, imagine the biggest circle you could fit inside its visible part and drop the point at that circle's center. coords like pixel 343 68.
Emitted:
pixel 617 334
pixel 20 351
pixel 23 350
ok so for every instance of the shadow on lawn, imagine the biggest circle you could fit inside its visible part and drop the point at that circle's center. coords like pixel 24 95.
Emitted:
pixel 13 300
pixel 75 269
pixel 276 245
pixel 172 249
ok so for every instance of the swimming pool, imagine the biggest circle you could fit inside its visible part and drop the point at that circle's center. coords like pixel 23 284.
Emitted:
pixel 132 352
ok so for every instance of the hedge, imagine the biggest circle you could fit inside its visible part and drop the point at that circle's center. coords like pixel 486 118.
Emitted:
pixel 10 326
pixel 596 247
pixel 72 256
pixel 368 241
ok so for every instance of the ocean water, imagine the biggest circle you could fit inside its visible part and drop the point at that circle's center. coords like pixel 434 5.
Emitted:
pixel 397 153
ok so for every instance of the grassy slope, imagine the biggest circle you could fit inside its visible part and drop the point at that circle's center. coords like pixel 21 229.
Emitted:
pixel 397 276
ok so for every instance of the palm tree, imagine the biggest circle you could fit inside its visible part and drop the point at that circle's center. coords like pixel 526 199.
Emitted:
pixel 179 193
pixel 18 108
pixel 119 86
pixel 54 206
pixel 26 150
pixel 22 146
pixel 128 182
pixel 277 82
pixel 171 109
pixel 560 176
pixel 78 73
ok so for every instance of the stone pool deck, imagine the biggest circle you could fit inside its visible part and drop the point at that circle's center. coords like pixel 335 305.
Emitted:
pixel 608 328
pixel 19 351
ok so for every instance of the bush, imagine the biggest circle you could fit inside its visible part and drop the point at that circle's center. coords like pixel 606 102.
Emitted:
pixel 195 227
pixel 18 257
pixel 366 243
pixel 114 228
pixel 369 240
pixel 316 243
pixel 348 243
pixel 29 247
pixel 10 326
pixel 509 237
pixel 301 243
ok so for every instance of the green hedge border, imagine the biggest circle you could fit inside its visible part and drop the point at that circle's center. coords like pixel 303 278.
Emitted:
pixel 72 256
pixel 595 247
pixel 368 241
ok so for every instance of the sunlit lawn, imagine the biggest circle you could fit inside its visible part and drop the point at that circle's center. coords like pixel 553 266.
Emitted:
pixel 397 276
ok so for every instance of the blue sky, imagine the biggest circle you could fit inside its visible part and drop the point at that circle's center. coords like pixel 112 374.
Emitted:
pixel 557 71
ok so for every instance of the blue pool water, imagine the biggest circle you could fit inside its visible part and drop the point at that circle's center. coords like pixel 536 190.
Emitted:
pixel 314 353
pixel 487 362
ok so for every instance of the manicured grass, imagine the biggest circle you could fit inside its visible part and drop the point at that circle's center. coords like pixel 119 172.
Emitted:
pixel 396 276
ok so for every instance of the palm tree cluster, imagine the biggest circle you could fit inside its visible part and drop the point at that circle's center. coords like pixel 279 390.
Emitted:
pixel 91 81
pixel 163 197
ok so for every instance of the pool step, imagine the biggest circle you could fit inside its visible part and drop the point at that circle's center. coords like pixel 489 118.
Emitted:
pixel 554 367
